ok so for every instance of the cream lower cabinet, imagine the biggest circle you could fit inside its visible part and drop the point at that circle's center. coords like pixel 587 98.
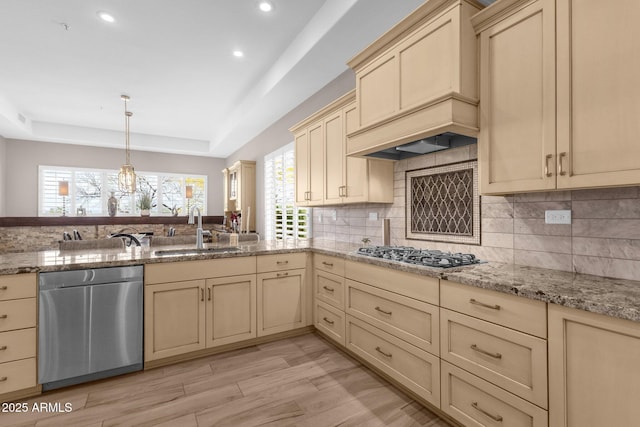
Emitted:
pixel 231 309
pixel 174 319
pixel 392 322
pixel 594 378
pixel 282 295
pixel 494 357
pixel 18 318
pixel 182 316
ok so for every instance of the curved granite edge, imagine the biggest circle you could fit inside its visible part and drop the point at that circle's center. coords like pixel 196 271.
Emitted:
pixel 612 297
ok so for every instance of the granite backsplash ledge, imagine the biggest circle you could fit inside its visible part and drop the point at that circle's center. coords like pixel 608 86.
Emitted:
pixel 603 239
pixel 29 238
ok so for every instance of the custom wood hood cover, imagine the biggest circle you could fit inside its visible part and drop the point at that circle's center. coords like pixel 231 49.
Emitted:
pixel 418 80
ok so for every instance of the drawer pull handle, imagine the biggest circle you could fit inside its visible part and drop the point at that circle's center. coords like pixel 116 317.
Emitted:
pixel 209 294
pixel 282 262
pixel 201 294
pixel 3 316
pixel 328 264
pixel 328 289
pixel 282 274
pixel 560 157
pixel 547 173
pixel 481 304
pixel 388 313
pixel 4 288
pixel 488 353
pixel 331 322
pixel 4 347
pixel 3 379
pixel 383 353
pixel 497 418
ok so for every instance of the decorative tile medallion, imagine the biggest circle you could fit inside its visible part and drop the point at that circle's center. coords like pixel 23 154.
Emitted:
pixel 443 204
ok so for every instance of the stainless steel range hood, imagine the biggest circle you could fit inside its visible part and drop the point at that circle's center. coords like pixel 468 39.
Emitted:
pixel 444 141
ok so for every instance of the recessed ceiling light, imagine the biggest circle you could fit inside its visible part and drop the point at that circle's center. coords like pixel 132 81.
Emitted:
pixel 265 6
pixel 106 17
pixel 238 53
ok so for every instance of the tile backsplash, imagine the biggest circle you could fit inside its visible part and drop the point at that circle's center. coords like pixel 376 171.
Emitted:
pixel 603 239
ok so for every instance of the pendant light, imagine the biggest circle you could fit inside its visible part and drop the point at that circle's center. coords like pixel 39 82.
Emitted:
pixel 127 175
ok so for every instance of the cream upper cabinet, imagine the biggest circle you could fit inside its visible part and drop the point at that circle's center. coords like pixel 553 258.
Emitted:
pixel 240 191
pixel 309 144
pixel 418 79
pixel 594 378
pixel 517 102
pixel 556 107
pixel 324 173
pixel 598 107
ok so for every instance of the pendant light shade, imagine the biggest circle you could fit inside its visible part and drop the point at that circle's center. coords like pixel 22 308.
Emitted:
pixel 127 175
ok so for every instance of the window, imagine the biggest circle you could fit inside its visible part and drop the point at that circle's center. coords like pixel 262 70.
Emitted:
pixel 89 190
pixel 283 220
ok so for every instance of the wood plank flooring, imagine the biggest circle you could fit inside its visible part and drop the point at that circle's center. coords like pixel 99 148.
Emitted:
pixel 300 381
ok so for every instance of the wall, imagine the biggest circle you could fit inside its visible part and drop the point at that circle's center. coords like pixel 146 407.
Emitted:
pixel 603 239
pixel 3 167
pixel 24 157
pixel 278 134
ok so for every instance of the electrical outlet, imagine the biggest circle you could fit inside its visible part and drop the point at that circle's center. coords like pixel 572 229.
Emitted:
pixel 557 217
pixel 319 218
pixel 373 216
pixel 334 215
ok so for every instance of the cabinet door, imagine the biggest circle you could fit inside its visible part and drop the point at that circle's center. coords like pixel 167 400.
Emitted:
pixel 174 318
pixel 334 158
pixel 302 168
pixel 316 164
pixel 231 309
pixel 593 369
pixel 517 107
pixel 598 108
pixel 377 90
pixel 281 301
pixel 355 168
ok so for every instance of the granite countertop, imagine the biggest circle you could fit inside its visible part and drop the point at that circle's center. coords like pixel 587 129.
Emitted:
pixel 613 297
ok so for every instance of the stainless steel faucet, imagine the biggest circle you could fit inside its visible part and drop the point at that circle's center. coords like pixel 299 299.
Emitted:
pixel 199 239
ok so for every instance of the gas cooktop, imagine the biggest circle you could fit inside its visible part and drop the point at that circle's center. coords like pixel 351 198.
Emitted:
pixel 424 257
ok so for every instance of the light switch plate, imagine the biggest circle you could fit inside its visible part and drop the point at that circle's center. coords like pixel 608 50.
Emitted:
pixel 557 217
pixel 334 215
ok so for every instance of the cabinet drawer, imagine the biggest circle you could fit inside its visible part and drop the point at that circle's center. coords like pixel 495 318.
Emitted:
pixel 17 286
pixel 167 272
pixel 414 368
pixel 279 262
pixel 15 345
pixel 423 288
pixel 17 375
pixel 512 360
pixel 329 288
pixel 328 263
pixel 474 402
pixel 330 321
pixel 411 320
pixel 17 314
pixel 507 310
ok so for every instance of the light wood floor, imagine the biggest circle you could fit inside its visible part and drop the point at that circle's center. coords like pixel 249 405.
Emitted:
pixel 300 381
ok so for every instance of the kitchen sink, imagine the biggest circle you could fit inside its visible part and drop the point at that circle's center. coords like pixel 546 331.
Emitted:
pixel 195 251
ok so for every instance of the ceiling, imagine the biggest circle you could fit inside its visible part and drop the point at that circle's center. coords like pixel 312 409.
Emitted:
pixel 63 69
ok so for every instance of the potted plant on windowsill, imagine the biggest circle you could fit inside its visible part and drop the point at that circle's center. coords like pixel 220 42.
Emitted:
pixel 144 203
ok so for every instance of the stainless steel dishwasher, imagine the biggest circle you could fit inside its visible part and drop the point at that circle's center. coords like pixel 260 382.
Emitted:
pixel 90 324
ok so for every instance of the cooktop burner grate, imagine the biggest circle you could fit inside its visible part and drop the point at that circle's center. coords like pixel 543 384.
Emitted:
pixel 424 257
